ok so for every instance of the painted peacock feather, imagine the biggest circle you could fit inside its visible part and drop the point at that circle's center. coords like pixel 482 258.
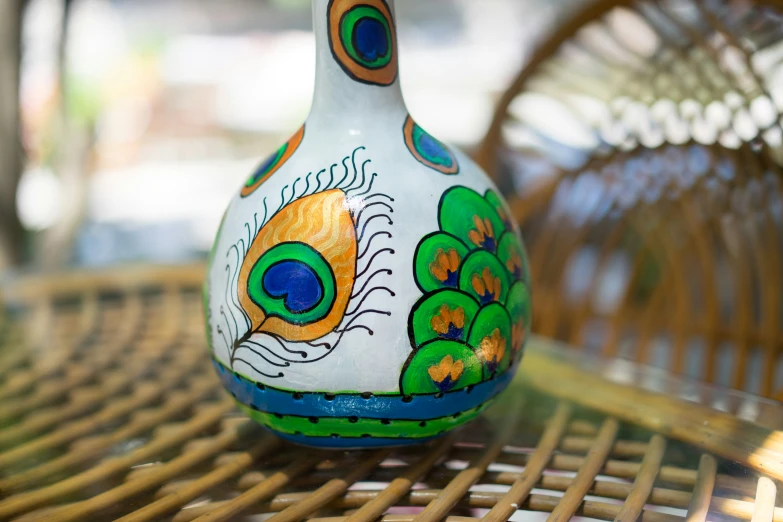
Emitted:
pixel 292 280
pixel 470 324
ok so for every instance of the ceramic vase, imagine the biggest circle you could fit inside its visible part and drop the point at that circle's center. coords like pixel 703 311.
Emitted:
pixel 367 286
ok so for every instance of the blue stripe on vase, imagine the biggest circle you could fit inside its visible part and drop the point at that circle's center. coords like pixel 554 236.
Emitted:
pixel 311 404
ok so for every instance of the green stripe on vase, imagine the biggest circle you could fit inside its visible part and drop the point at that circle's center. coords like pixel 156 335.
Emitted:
pixel 358 427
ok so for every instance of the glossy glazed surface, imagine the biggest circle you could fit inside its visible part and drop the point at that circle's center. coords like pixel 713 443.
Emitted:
pixel 366 277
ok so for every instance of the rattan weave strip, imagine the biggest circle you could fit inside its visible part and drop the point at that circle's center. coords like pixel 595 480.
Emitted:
pixel 132 424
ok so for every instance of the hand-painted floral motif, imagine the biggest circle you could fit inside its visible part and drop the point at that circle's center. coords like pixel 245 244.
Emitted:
pixel 492 349
pixel 446 373
pixel 482 235
pixel 445 266
pixel 476 305
pixel 517 335
pixel 450 324
pixel 514 264
pixel 488 286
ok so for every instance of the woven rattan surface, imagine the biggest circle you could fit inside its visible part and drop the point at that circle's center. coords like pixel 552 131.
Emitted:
pixel 109 409
pixel 641 147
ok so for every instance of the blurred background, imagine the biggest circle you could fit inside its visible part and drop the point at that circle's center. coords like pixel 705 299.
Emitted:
pixel 639 144
pixel 140 118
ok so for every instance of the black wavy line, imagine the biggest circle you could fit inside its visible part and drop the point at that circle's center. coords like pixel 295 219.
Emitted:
pixel 378 194
pixel 357 316
pixel 369 263
pixel 285 364
pixel 282 200
pixel 369 242
pixel 372 179
pixel 388 272
pixel 228 325
pixel 280 374
pixel 228 344
pixel 353 163
pixel 263 221
pixel 364 166
pixel 331 176
pixel 298 352
pixel 359 215
pixel 364 228
pixel 247 225
pixel 391 293
pixel 360 185
pixel 358 326
pixel 318 179
pixel 229 298
pixel 315 345
pixel 345 176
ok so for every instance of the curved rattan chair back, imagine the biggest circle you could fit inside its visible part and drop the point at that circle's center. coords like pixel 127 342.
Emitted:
pixel 641 150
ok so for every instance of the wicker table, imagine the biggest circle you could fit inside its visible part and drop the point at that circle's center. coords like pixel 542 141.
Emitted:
pixel 109 409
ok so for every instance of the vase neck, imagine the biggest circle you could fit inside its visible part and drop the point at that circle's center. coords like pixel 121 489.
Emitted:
pixel 356 61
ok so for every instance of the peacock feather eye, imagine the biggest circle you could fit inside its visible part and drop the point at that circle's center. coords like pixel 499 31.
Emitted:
pixel 296 279
pixel 427 150
pixel 270 165
pixel 363 40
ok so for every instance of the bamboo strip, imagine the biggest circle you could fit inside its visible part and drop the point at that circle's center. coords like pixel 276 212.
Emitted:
pixel 702 491
pixel 194 488
pixel 587 472
pixel 487 500
pixel 143 393
pixel 22 502
pixel 398 487
pixel 643 484
pixel 177 403
pixel 232 509
pixel 189 458
pixel 328 492
pixel 765 501
pixel 466 478
pixel 534 468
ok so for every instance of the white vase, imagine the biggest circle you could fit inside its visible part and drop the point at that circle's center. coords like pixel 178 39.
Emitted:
pixel 367 286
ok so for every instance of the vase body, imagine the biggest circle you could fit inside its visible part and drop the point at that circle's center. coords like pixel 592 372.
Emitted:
pixel 367 286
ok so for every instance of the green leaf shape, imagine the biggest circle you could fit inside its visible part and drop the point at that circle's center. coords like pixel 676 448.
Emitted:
pixel 351 427
pixel 429 306
pixel 500 207
pixel 490 318
pixel 459 206
pixel 427 253
pixel 516 265
pixel 416 378
pixel 475 264
pixel 293 252
pixel 518 306
pixel 518 303
pixel 348 26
